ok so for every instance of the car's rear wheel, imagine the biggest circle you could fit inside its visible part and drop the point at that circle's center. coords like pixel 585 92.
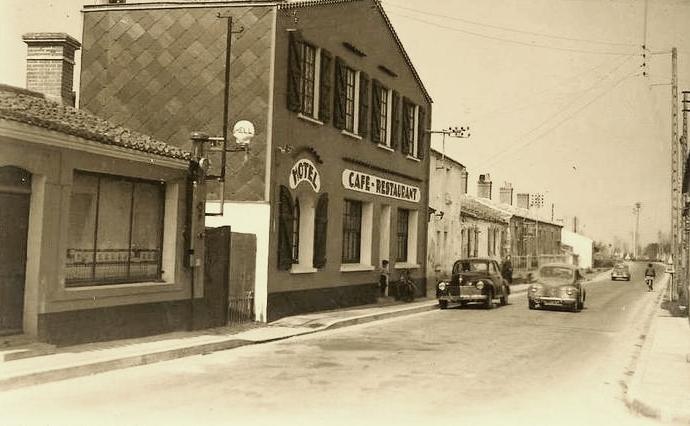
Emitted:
pixel 531 304
pixel 443 304
pixel 489 302
pixel 504 298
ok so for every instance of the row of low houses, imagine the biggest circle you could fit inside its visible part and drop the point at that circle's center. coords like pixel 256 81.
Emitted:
pixel 103 205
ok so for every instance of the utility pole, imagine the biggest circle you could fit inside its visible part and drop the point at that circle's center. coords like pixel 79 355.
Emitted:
pixel 676 175
pixel 636 234
pixel 685 214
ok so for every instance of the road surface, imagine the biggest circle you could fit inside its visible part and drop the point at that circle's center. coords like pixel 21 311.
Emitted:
pixel 509 365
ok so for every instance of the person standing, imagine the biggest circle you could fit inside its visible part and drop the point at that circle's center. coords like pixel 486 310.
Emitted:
pixel 507 270
pixel 384 278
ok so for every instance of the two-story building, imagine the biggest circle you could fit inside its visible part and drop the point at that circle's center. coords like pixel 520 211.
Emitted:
pixel 336 176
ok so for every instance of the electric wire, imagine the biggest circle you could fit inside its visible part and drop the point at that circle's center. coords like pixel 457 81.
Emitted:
pixel 597 83
pixel 483 24
pixel 569 117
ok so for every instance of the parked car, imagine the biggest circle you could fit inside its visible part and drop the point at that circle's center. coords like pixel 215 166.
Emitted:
pixel 558 285
pixel 473 280
pixel 620 271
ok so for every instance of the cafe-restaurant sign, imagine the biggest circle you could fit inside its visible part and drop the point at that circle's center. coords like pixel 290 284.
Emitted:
pixel 364 182
pixel 305 171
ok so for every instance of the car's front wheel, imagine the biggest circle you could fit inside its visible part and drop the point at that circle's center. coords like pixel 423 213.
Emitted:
pixel 489 302
pixel 504 298
pixel 531 304
pixel 443 304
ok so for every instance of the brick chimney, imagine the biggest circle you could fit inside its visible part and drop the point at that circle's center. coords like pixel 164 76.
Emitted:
pixel 50 65
pixel 484 186
pixel 506 193
pixel 523 201
pixel 463 181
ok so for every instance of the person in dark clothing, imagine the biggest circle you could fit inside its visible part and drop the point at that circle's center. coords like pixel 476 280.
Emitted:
pixel 507 270
pixel 649 275
pixel 384 277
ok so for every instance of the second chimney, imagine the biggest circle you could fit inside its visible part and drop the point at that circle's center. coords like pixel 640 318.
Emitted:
pixel 506 193
pixel 484 186
pixel 523 201
pixel 50 65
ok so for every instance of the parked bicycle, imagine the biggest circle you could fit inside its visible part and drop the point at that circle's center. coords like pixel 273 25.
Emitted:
pixel 406 287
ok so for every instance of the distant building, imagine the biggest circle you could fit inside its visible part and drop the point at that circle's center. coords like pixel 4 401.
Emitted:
pixel 582 247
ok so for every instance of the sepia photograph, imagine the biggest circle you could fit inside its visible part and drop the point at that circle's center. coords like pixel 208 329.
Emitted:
pixel 344 212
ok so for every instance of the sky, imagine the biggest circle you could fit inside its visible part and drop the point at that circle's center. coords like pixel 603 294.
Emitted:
pixel 552 91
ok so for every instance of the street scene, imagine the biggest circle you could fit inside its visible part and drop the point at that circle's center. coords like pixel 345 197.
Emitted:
pixel 344 212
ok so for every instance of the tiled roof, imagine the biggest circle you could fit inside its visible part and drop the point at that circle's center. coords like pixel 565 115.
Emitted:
pixel 512 210
pixel 470 206
pixel 32 108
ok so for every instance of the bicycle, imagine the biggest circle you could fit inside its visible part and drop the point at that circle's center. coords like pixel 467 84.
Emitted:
pixel 406 287
pixel 649 280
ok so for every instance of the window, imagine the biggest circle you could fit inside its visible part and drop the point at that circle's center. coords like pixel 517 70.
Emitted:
pixel 115 230
pixel 410 118
pixel 308 80
pixel 351 90
pixel 402 235
pixel 295 232
pixel 385 117
pixel 352 231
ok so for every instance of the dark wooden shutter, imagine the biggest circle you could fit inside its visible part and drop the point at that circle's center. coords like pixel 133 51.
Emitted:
pixel 406 126
pixel 395 121
pixel 294 95
pixel 320 231
pixel 339 95
pixel 363 126
pixel 421 134
pixel 285 217
pixel 325 84
pixel 376 112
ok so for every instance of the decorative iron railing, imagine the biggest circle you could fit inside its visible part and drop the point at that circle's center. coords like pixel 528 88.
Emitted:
pixel 241 308
pixel 111 265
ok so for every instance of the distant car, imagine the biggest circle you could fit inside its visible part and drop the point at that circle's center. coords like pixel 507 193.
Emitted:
pixel 473 280
pixel 558 285
pixel 620 271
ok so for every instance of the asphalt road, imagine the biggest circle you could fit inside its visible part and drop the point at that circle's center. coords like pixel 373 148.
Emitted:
pixel 508 365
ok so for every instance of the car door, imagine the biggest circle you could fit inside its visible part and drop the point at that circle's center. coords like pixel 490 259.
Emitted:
pixel 495 273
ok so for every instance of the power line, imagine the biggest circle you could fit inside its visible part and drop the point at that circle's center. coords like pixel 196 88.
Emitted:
pixel 585 92
pixel 572 115
pixel 483 24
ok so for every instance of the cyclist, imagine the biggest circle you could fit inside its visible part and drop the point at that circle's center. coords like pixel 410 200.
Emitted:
pixel 406 287
pixel 649 275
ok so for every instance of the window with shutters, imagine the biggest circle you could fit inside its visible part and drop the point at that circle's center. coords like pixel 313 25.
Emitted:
pixel 352 231
pixel 309 80
pixel 351 100
pixel 385 113
pixel 410 130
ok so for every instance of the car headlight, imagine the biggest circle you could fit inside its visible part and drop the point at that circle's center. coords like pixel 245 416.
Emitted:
pixel 441 286
pixel 480 284
pixel 569 291
pixel 459 279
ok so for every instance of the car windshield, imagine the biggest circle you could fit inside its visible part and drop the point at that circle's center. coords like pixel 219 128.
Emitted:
pixel 471 266
pixel 559 273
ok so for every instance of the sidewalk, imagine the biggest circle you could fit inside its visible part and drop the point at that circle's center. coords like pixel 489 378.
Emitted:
pixel 660 387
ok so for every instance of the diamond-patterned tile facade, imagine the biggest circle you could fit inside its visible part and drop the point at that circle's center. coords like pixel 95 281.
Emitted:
pixel 162 72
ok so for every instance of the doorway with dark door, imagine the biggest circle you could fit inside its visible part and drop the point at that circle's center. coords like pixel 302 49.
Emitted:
pixel 15 199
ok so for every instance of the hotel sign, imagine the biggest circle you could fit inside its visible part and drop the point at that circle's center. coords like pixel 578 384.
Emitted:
pixel 363 182
pixel 305 171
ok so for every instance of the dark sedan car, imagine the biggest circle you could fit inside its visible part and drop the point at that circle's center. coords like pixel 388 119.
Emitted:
pixel 620 271
pixel 558 285
pixel 473 280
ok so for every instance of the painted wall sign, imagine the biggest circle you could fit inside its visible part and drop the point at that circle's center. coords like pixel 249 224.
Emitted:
pixel 363 182
pixel 305 171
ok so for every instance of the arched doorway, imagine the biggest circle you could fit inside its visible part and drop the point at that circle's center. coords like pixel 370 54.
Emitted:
pixel 15 198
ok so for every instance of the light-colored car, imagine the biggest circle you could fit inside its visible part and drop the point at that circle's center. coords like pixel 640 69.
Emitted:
pixel 620 271
pixel 558 285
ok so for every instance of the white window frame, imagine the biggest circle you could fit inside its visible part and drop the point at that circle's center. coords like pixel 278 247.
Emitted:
pixel 355 109
pixel 317 87
pixel 414 155
pixel 305 260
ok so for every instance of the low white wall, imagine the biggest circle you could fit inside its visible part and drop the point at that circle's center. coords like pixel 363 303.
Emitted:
pixel 250 218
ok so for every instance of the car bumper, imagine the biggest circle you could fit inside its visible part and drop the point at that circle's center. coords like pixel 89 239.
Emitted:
pixel 620 276
pixel 463 298
pixel 552 301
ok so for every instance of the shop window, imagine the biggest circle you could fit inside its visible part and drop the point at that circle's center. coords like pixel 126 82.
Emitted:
pixel 115 230
pixel 406 238
pixel 352 231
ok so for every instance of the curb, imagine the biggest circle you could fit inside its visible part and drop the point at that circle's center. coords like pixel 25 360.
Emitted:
pixel 71 372
pixel 632 399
